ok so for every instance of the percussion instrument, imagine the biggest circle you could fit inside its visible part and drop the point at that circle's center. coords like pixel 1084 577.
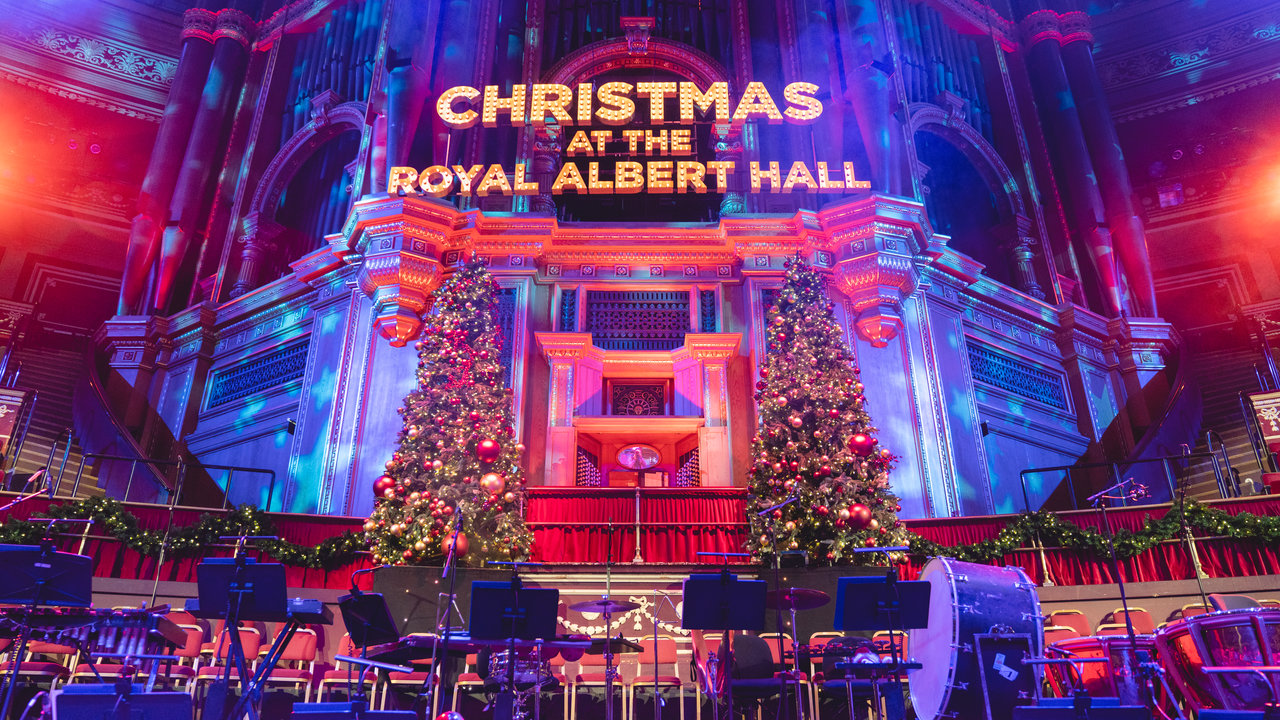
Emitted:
pixel 303 611
pixel 530 668
pixel 604 605
pixel 1190 648
pixel 129 631
pixel 1118 676
pixel 983 620
pixel 419 646
pixel 797 598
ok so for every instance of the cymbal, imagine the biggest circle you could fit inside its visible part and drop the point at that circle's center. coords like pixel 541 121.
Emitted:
pixel 616 645
pixel 800 598
pixel 604 605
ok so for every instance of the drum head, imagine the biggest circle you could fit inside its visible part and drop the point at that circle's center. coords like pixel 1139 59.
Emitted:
pixel 932 646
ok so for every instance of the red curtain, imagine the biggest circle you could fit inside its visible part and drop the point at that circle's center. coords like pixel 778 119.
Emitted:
pixel 571 525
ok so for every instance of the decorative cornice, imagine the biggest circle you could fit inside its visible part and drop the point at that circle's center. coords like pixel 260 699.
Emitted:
pixel 235 25
pixel 199 23
pixel 1076 27
pixel 138 112
pixel 102 55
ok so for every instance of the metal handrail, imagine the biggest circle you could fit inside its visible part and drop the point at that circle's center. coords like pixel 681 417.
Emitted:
pixel 181 467
pixel 1255 437
pixel 1115 472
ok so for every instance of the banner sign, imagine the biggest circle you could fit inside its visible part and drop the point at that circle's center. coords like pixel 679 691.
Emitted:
pixel 11 406
pixel 656 160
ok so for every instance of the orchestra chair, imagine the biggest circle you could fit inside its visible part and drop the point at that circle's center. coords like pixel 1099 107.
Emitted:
pixel 778 645
pixel 1143 624
pixel 1113 629
pixel 182 673
pixel 667 657
pixel 171 673
pixel 818 641
pixel 713 641
pixel 342 677
pixel 1057 633
pixel 469 680
pixel 410 681
pixel 219 651
pixel 590 675
pixel 1071 618
pixel 1190 611
pixel 54 670
pixel 297 666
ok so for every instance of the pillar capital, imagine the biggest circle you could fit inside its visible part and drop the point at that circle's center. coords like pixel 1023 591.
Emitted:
pixel 236 25
pixel 568 347
pixel 199 23
pixel 710 347
pixel 1039 26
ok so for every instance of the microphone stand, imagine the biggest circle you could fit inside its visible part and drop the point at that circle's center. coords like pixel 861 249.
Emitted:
pixel 609 672
pixel 777 610
pixel 657 700
pixel 1099 501
pixel 46 491
pixel 1186 533
pixel 441 658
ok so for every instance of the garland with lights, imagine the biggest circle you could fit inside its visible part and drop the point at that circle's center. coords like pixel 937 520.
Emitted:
pixel 330 554
pixel 1054 532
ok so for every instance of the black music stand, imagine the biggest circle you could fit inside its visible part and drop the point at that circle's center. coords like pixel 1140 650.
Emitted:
pixel 722 602
pixel 509 611
pixel 246 589
pixel 40 576
pixel 871 602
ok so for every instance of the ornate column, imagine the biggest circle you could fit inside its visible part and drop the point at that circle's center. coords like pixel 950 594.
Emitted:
pixel 1108 160
pixel 546 164
pixel 1017 241
pixel 875 242
pixel 398 245
pixel 208 139
pixel 1142 348
pixel 1086 215
pixel 133 346
pixel 259 245
pixel 162 169
pixel 713 352
pixel 575 364
pixel 729 148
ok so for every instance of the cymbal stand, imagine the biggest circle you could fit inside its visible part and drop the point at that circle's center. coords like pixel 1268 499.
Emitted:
pixel 657 699
pixel 783 682
pixel 436 679
pixel 609 671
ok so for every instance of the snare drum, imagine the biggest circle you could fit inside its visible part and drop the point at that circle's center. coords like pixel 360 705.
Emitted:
pixel 1230 638
pixel 1117 677
pixel 529 670
pixel 983 620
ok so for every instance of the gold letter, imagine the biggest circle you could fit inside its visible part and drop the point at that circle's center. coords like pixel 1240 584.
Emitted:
pixel 616 108
pixel 579 143
pixel 659 176
pixel 523 187
pixel 805 108
pixel 690 172
pixel 495 178
pixel 721 168
pixel 601 137
pixel 680 142
pixel 444 107
pixel 569 177
pixel 755 102
pixel 436 181
pixel 466 177
pixel 628 176
pixel 401 178
pixel 799 175
pixel 595 184
pixel 513 106
pixel 540 105
pixel 717 96
pixel 773 175
pixel 657 92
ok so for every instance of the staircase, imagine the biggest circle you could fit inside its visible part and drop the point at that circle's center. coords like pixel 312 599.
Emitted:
pixel 53 373
pixel 1223 375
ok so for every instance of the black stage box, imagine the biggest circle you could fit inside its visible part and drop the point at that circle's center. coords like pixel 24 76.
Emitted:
pixel 1114 712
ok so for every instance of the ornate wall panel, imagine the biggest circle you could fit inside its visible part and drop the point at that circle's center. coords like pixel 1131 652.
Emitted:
pixel 1016 376
pixel 638 319
pixel 257 373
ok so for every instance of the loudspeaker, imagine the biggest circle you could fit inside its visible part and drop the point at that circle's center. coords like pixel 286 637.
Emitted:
pixel 1118 712
pixel 99 702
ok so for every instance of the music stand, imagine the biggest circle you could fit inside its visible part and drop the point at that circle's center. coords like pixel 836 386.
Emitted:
pixel 720 601
pixel 509 611
pixel 368 620
pixel 872 602
pixel 44 576
pixel 233 589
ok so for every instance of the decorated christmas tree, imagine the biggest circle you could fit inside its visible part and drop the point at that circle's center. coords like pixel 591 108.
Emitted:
pixel 456 460
pixel 815 444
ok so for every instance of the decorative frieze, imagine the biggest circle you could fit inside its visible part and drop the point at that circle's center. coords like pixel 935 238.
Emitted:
pixel 1016 376
pixel 257 373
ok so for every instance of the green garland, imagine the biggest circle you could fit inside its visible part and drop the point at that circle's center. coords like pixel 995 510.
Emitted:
pixel 331 553
pixel 1054 532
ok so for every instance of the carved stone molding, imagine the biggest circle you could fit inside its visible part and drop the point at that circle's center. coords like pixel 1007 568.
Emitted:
pixel 236 25
pixel 199 23
pixel 637 31
pixel 875 242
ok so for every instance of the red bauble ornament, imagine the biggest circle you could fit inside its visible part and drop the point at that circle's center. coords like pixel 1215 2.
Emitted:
pixel 493 483
pixel 861 444
pixel 488 450
pixel 870 542
pixel 859 516
pixel 447 541
pixel 382 484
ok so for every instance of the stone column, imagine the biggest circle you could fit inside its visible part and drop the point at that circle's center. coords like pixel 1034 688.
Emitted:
pixel 259 245
pixel 208 139
pixel 162 169
pixel 1086 215
pixel 571 356
pixel 729 148
pixel 546 164
pixel 714 351
pixel 133 345
pixel 1018 242
pixel 1108 160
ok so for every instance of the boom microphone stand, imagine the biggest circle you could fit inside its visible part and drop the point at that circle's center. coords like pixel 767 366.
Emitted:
pixel 783 681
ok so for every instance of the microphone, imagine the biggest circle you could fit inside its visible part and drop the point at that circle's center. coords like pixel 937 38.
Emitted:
pixel 355 591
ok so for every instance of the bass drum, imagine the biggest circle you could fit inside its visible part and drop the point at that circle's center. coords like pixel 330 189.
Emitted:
pixel 966 600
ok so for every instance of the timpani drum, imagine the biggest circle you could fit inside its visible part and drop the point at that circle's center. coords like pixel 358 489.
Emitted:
pixel 983 620
pixel 1117 677
pixel 1222 639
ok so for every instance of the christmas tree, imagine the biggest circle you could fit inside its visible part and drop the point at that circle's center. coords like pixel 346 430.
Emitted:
pixel 457 463
pixel 815 444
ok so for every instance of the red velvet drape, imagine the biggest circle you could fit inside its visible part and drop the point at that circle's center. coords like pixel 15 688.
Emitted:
pixel 572 524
